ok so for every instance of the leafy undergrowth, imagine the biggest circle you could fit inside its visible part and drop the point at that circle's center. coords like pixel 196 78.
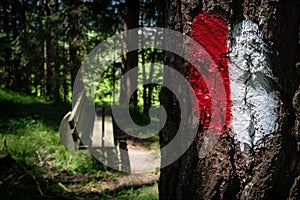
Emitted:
pixel 43 168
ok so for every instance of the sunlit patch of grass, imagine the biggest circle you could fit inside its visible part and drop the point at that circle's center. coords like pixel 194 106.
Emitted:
pixel 31 142
pixel 15 106
pixel 145 192
pixel 8 95
pixel 77 162
pixel 30 127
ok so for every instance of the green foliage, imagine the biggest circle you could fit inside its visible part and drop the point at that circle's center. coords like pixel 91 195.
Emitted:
pixel 17 106
pixel 32 139
pixel 43 44
pixel 17 97
pixel 30 127
pixel 33 143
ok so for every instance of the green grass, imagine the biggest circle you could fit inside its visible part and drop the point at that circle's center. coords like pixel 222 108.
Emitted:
pixel 149 192
pixel 145 193
pixel 15 106
pixel 30 127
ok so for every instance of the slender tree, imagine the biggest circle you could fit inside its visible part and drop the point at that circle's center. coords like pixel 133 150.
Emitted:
pixel 130 59
pixel 5 47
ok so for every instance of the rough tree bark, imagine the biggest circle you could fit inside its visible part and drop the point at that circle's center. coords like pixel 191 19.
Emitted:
pixel 268 171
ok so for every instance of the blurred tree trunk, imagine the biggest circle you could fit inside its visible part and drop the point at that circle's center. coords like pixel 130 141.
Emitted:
pixel 130 59
pixel 7 48
pixel 45 50
pixel 55 62
pixel 150 87
pixel 72 35
pixel 227 172
pixel 15 63
pixel 26 79
pixel 145 106
pixel 65 71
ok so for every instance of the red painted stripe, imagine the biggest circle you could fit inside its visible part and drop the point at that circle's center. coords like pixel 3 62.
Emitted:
pixel 211 31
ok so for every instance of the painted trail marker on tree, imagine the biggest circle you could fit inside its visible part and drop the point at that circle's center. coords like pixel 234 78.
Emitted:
pixel 251 101
pixel 254 100
pixel 211 31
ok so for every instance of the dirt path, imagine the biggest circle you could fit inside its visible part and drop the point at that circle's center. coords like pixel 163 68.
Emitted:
pixel 144 154
pixel 143 157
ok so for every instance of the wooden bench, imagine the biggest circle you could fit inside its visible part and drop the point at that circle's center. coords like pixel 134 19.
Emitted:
pixel 68 127
pixel 102 140
pixel 104 137
pixel 96 134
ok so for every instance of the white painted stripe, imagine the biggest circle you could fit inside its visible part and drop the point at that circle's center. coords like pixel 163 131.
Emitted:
pixel 253 98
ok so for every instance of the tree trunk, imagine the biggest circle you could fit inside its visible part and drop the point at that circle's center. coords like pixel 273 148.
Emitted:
pixel 268 169
pixel 65 71
pixel 130 59
pixel 56 64
pixel 7 48
pixel 145 105
pixel 45 52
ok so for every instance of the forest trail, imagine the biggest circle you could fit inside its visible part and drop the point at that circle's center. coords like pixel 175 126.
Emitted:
pixel 143 155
